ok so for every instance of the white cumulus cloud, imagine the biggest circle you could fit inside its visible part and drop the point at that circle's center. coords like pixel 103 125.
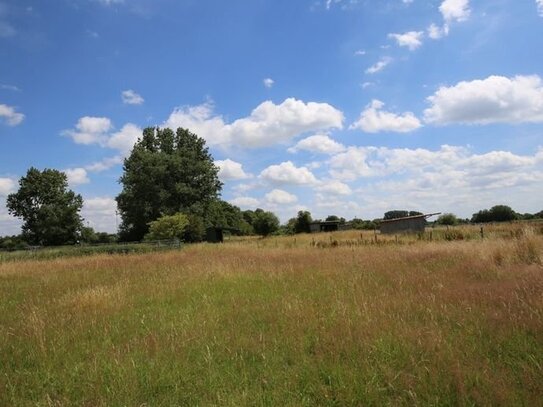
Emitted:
pixel 496 99
pixel 280 197
pixel 410 39
pixel 319 143
pixel 539 4
pixel 455 10
pixel 101 214
pixel 130 97
pixel 373 120
pixel 231 170
pixel 90 130
pixel 435 32
pixel 124 139
pixel 268 124
pixel 7 186
pixel 334 187
pixel 77 176
pixel 288 173
pixel 99 130
pixel 9 114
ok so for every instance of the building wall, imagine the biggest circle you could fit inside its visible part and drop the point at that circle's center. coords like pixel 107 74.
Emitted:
pixel 403 226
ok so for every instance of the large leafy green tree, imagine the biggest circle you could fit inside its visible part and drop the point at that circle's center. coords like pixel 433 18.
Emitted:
pixel 265 223
pixel 303 220
pixel 166 173
pixel 49 209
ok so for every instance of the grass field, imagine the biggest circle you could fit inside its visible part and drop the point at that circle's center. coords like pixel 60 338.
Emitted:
pixel 333 319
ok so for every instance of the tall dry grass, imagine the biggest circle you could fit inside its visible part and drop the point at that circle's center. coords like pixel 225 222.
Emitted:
pixel 281 321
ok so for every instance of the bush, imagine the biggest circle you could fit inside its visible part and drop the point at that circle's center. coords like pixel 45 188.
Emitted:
pixel 447 219
pixel 168 227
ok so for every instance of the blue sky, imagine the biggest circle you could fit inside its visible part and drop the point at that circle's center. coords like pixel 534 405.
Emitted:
pixel 346 107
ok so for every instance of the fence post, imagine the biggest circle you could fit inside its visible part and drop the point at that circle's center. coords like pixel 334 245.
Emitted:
pixel 482 233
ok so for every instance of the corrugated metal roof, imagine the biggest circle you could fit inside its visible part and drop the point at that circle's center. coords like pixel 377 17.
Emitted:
pixel 410 217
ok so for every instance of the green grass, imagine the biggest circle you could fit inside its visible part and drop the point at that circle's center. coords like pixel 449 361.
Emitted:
pixel 430 323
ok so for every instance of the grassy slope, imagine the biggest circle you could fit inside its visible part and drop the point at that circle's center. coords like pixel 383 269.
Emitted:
pixel 278 322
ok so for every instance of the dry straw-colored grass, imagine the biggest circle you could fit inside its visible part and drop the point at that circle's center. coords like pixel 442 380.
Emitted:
pixel 333 319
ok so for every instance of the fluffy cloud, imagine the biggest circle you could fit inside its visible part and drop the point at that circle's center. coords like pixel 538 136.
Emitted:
pixel 280 197
pixel 288 173
pixel 90 130
pixel 268 123
pixel 319 143
pixel 455 10
pixel 539 4
pixel 77 176
pixel 104 164
pixel 351 164
pixel 130 97
pixel 452 165
pixel 496 99
pixel 100 212
pixel 373 120
pixel 268 82
pixel 452 11
pixel 245 202
pixel 379 66
pixel 334 187
pixel 11 117
pixel 124 139
pixel 411 39
pixel 435 32
pixel 98 130
pixel 231 170
pixel 7 186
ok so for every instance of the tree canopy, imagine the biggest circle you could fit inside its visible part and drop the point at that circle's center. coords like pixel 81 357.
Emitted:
pixel 303 220
pixel 448 219
pixel 166 173
pixel 498 213
pixel 49 209
pixel 265 223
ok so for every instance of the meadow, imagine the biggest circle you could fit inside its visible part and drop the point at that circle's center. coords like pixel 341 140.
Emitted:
pixel 339 319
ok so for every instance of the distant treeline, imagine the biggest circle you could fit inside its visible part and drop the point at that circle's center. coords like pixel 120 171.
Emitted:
pixel 170 190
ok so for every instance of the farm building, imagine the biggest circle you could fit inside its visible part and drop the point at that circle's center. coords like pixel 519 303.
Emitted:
pixel 328 226
pixel 409 224
pixel 215 234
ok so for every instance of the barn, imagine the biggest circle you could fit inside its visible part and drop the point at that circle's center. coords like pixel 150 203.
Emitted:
pixel 409 224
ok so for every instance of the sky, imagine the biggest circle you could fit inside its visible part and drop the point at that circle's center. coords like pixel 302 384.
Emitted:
pixel 345 107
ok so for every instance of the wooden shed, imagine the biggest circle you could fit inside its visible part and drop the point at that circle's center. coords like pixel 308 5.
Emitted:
pixel 409 224
pixel 215 234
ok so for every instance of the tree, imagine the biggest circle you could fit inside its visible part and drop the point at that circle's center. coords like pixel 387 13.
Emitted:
pixel 224 214
pixel 50 210
pixel 449 219
pixel 303 220
pixel 168 227
pixel 195 230
pixel 265 223
pixel 166 173
pixel 395 214
pixel 498 213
